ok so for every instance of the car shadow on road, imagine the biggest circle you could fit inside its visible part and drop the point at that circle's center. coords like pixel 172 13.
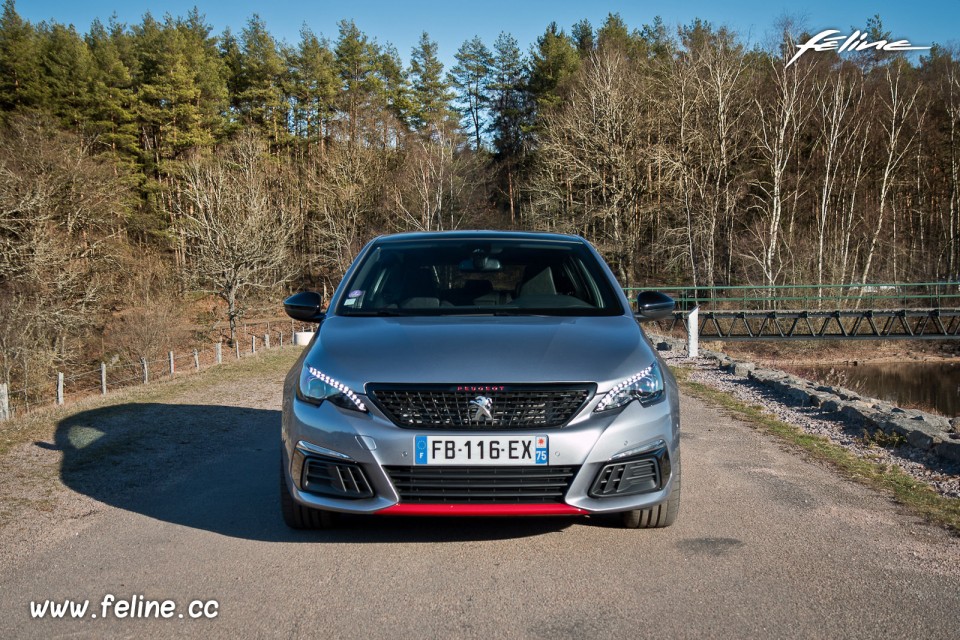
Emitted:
pixel 214 468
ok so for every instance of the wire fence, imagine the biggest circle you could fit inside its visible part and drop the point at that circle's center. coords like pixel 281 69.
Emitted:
pixel 251 338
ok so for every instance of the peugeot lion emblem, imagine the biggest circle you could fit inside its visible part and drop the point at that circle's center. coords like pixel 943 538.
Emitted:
pixel 481 408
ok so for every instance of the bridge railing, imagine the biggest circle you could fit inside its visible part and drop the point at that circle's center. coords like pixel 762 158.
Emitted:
pixel 922 295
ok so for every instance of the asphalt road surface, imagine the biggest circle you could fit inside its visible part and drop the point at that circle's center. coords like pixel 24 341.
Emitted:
pixel 767 545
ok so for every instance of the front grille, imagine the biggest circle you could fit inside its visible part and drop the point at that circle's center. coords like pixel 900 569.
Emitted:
pixel 449 407
pixel 488 485
pixel 335 479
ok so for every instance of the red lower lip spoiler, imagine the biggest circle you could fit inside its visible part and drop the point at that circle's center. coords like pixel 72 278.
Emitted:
pixel 482 510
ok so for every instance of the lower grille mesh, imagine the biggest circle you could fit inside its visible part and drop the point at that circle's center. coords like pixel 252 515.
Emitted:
pixel 487 485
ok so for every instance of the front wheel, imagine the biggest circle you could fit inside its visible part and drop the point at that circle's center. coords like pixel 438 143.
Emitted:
pixel 297 516
pixel 662 515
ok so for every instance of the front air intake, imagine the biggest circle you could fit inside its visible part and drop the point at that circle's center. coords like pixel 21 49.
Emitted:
pixel 638 474
pixel 335 479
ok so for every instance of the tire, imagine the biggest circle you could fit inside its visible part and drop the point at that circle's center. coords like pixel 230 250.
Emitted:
pixel 662 515
pixel 297 516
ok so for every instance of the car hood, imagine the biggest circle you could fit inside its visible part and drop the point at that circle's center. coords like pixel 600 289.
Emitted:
pixel 480 350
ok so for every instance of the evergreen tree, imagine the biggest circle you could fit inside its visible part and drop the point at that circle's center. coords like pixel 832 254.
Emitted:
pixel 229 50
pixel 431 92
pixel 655 40
pixel 615 34
pixel 19 65
pixel 470 78
pixel 177 105
pixel 553 60
pixel 509 112
pixel 314 85
pixel 111 101
pixel 209 74
pixel 356 62
pixel 507 94
pixel 394 85
pixel 260 99
pixel 65 71
pixel 582 34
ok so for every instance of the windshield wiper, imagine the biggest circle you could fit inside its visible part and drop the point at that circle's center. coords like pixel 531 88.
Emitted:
pixel 518 312
pixel 375 313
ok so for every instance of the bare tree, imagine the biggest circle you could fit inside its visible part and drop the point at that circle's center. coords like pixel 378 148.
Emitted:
pixel 59 206
pixel 236 224
pixel 781 115
pixel 677 85
pixel 705 91
pixel 950 88
pixel 593 157
pixel 839 128
pixel 433 181
pixel 344 205
pixel 898 102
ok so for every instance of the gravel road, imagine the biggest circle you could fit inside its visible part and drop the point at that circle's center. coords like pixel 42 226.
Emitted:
pixel 178 500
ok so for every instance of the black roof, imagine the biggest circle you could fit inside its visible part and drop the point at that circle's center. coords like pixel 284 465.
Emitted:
pixel 479 235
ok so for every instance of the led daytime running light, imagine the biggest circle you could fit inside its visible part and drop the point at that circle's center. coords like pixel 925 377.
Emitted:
pixel 339 386
pixel 614 394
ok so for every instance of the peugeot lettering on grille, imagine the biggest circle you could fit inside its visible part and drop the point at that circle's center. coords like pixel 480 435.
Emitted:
pixel 480 373
pixel 481 408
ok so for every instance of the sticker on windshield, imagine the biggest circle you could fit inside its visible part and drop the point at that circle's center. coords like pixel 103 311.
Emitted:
pixel 356 293
pixel 349 302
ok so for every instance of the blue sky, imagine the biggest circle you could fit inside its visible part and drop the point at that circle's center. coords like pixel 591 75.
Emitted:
pixel 450 22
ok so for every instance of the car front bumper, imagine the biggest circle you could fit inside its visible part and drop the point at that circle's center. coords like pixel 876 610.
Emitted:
pixel 370 442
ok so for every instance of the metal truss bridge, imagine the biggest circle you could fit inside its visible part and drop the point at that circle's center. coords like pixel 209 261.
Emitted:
pixel 924 311
pixel 870 324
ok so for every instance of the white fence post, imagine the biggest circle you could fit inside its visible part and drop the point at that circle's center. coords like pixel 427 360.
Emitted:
pixel 146 370
pixel 253 344
pixel 266 341
pixel 59 388
pixel 196 360
pixel 171 364
pixel 218 347
pixel 237 345
pixel 103 378
pixel 4 403
pixel 281 339
pixel 693 333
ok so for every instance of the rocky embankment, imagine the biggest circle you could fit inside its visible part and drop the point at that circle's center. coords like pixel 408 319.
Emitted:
pixel 925 445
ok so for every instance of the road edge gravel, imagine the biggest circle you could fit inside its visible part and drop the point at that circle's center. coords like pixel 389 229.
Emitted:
pixel 923 445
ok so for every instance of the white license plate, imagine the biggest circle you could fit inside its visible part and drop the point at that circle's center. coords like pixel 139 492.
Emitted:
pixel 477 450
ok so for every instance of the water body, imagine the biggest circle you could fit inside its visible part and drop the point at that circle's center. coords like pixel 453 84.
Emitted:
pixel 923 385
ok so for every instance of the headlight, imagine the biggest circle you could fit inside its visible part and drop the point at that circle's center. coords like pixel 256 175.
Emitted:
pixel 645 386
pixel 316 386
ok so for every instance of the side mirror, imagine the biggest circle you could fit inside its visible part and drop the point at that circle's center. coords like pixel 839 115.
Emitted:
pixel 653 305
pixel 306 306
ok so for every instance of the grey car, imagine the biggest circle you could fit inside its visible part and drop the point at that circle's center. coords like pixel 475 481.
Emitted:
pixel 480 373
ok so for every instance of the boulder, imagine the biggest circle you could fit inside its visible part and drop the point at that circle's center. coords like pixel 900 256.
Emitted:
pixel 743 368
pixel 949 450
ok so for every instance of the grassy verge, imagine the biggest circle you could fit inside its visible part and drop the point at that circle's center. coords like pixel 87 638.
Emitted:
pixel 889 479
pixel 40 424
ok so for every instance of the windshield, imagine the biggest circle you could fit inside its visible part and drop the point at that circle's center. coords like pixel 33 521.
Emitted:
pixel 480 276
